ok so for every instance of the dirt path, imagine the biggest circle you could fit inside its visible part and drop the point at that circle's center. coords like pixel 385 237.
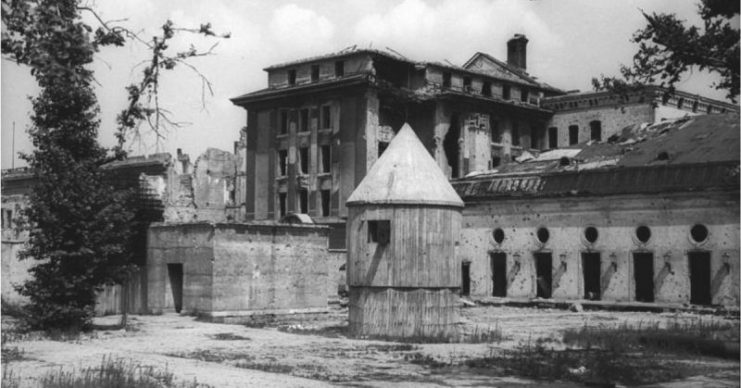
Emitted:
pixel 222 355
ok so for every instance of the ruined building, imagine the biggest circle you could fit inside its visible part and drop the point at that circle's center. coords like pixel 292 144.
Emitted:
pixel 314 132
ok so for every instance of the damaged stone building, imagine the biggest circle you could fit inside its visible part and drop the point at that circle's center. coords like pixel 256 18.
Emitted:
pixel 322 122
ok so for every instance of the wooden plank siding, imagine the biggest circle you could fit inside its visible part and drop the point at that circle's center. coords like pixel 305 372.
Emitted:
pixel 110 299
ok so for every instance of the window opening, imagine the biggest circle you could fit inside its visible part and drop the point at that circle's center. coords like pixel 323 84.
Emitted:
pixel 699 233
pixel 326 151
pixel 466 84
pixel 543 235
pixel 499 273
pixel 591 264
pixel 533 138
pixel 700 278
pixel 304 159
pixel 465 278
pixel 379 231
pixel 304 120
pixel 596 130
pixel 326 117
pixel 339 68
pixel 314 73
pixel 643 233
pixel 450 145
pixel 282 203
pixel 506 92
pixel 291 77
pixel 515 134
pixel 643 273
pixel 573 134
pixel 498 235
pixel 544 274
pixel 524 95
pixel 283 122
pixel 325 203
pixel 591 234
pixel 486 89
pixel 283 162
pixel 552 137
pixel 382 145
pixel 303 200
pixel 446 79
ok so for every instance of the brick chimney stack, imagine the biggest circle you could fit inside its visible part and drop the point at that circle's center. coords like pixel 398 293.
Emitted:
pixel 517 51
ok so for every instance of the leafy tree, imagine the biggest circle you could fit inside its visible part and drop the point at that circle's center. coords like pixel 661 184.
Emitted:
pixel 80 228
pixel 667 49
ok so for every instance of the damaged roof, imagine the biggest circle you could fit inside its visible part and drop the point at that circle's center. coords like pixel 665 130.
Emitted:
pixel 692 153
pixel 405 173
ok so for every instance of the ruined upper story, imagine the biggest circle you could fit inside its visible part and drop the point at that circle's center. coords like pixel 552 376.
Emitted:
pixel 482 77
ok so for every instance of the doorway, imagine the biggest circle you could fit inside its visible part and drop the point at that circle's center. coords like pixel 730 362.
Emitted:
pixel 466 278
pixel 544 274
pixel 700 278
pixel 591 264
pixel 175 274
pixel 643 272
pixel 499 273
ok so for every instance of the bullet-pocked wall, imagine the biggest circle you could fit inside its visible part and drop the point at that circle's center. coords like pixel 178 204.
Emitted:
pixel 674 248
pixel 232 270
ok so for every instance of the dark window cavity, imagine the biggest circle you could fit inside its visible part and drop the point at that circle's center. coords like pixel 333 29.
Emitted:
pixel 326 117
pixel 643 233
pixel 379 231
pixel 534 138
pixel 573 134
pixel 446 79
pixel 304 125
pixel 523 95
pixel 552 138
pixel 283 122
pixel 543 235
pixel 596 130
pixel 326 158
pixel 339 68
pixel 283 162
pixel 466 84
pixel 486 89
pixel 496 135
pixel 282 201
pixel 325 203
pixel 506 92
pixel 515 134
pixel 304 159
pixel 292 77
pixel 699 233
pixel 303 200
pixel 498 235
pixel 314 73
pixel 382 145
pixel 591 234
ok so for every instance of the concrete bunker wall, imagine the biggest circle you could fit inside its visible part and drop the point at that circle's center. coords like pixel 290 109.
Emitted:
pixel 669 218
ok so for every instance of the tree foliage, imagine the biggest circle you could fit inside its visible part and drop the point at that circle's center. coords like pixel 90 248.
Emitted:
pixel 80 228
pixel 668 49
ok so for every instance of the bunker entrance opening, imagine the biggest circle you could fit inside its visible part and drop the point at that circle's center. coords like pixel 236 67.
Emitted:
pixel 544 274
pixel 175 275
pixel 591 264
pixel 643 272
pixel 499 273
pixel 700 278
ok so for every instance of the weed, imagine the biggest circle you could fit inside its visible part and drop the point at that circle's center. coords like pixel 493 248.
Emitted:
pixel 229 337
pixel 424 359
pixel 338 331
pixel 10 380
pixel 114 373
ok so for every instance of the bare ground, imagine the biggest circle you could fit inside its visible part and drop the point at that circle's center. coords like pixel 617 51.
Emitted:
pixel 314 351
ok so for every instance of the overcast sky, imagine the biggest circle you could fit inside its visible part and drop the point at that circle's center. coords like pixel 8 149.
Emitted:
pixel 570 42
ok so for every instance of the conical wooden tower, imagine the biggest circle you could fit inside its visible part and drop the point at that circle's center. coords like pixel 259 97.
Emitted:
pixel 403 221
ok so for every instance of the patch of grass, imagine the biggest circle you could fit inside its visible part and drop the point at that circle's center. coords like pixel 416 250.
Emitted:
pixel 391 347
pixel 478 335
pixel 114 373
pixel 211 356
pixel 9 380
pixel 229 337
pixel 338 331
pixel 697 337
pixel 424 359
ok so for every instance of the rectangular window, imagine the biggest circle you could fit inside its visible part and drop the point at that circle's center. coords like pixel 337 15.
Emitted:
pixel 596 130
pixel 523 95
pixel 304 120
pixel 339 68
pixel 496 135
pixel 382 145
pixel 534 138
pixel 573 134
pixel 283 162
pixel 291 77
pixel 506 92
pixel 326 117
pixel 446 79
pixel 304 159
pixel 378 231
pixel 325 203
pixel 467 84
pixel 314 73
pixel 486 89
pixel 515 134
pixel 283 122
pixel 552 138
pixel 282 201
pixel 303 201
pixel 326 158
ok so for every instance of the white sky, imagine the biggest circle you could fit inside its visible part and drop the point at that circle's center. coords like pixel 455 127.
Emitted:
pixel 571 41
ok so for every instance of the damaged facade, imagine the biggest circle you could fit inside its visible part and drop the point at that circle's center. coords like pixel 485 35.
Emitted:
pixel 322 122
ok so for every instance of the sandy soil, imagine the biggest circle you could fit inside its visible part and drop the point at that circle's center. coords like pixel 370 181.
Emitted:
pixel 313 351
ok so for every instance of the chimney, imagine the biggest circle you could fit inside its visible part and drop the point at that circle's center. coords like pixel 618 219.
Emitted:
pixel 517 51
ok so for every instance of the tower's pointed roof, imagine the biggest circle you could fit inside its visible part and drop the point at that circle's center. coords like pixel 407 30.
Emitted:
pixel 405 174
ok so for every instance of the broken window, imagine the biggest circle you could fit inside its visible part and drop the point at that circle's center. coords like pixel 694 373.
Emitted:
pixel 543 274
pixel 467 84
pixel 282 162
pixel 379 231
pixel 326 157
pixel 326 117
pixel 303 200
pixel 339 68
pixel 291 77
pixel 382 145
pixel 496 135
pixel 596 130
pixel 282 203
pixel 304 120
pixel 506 92
pixel 680 103
pixel 534 138
pixel 515 134
pixel 283 122
pixel 446 79
pixel 325 202
pixel 523 95
pixel 486 89
pixel 552 138
pixel 303 153
pixel 314 73
pixel 573 134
